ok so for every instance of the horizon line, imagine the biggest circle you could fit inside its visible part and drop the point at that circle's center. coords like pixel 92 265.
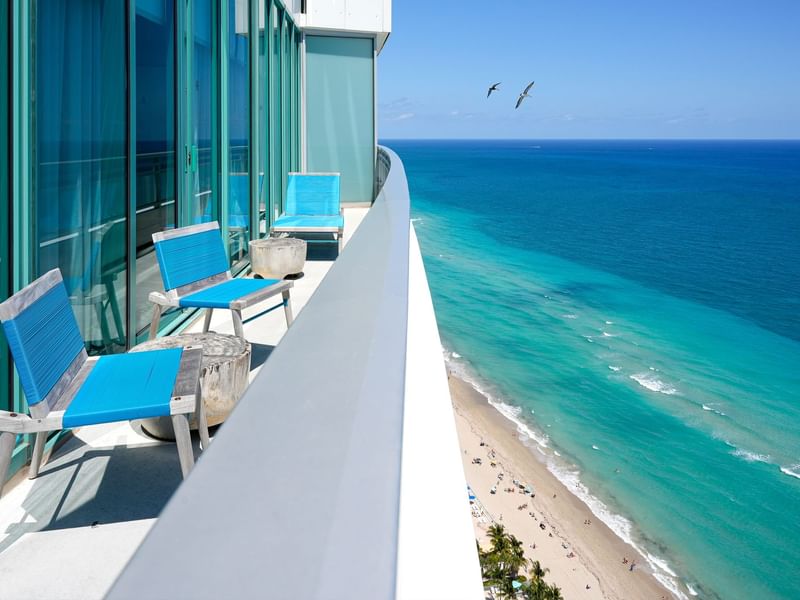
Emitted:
pixel 578 139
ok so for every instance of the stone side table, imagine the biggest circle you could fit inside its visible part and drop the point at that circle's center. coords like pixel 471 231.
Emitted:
pixel 224 376
pixel 275 258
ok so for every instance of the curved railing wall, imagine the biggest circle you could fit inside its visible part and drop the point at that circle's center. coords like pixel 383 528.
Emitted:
pixel 298 495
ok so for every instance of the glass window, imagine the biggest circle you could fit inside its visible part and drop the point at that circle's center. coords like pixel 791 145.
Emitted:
pixel 5 389
pixel 238 129
pixel 275 154
pixel 286 106
pixel 295 99
pixel 263 121
pixel 340 112
pixel 155 142
pixel 79 136
pixel 203 201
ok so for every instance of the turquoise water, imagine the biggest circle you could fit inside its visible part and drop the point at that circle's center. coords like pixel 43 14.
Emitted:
pixel 634 306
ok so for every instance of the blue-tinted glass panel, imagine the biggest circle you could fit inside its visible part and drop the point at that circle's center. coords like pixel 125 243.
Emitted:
pixel 238 129
pixel 5 389
pixel 203 201
pixel 276 122
pixel 286 108
pixel 155 142
pixel 79 134
pixel 339 112
pixel 263 120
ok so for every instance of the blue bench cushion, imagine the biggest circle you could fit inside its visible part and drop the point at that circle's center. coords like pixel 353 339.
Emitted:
pixel 44 340
pixel 222 294
pixel 122 387
pixel 303 221
pixel 189 258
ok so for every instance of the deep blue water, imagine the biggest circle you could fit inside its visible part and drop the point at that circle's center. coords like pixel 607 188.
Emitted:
pixel 634 306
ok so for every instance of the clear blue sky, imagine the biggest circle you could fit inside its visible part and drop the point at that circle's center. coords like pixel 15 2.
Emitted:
pixel 603 69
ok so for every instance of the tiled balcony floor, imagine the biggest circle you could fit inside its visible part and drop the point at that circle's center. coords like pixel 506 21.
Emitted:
pixel 68 533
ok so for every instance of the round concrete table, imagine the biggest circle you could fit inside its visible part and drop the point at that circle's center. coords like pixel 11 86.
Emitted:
pixel 275 258
pixel 224 376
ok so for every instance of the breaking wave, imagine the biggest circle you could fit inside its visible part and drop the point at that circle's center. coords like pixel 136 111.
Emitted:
pixel 793 471
pixel 652 383
pixel 570 477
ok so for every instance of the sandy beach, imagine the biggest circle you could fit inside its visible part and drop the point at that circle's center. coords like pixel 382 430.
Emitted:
pixel 576 547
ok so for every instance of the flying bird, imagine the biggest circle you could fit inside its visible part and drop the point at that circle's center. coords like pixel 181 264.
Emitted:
pixel 493 89
pixel 524 94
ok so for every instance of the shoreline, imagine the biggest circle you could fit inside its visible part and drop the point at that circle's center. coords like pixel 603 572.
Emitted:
pixel 578 548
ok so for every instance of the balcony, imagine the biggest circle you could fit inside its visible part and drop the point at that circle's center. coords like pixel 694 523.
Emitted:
pixel 337 475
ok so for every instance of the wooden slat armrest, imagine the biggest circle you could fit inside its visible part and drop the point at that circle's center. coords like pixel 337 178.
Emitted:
pixel 19 423
pixel 161 299
pixel 256 297
pixel 184 392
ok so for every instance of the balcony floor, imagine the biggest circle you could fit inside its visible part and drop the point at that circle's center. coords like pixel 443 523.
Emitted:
pixel 68 533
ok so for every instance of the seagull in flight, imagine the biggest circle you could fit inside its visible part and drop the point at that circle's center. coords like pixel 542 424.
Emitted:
pixel 493 88
pixel 524 94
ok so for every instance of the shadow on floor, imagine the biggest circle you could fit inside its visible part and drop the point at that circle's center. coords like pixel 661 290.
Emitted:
pixel 320 247
pixel 259 353
pixel 84 486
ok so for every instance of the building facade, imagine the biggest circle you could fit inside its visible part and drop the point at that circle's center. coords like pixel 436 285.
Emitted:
pixel 121 118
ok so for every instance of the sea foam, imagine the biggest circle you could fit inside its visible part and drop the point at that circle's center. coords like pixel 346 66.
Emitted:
pixel 793 471
pixel 710 408
pixel 652 383
pixel 748 456
pixel 622 527
pixel 570 477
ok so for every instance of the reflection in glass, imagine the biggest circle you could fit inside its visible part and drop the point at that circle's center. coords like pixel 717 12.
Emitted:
pixel 238 129
pixel 277 164
pixel 155 142
pixel 263 119
pixel 80 158
pixel 6 397
pixel 204 203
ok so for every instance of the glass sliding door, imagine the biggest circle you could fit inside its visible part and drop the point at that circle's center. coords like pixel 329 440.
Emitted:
pixel 339 80
pixel 285 106
pixel 276 121
pixel 262 203
pixel 5 196
pixel 155 142
pixel 238 209
pixel 295 92
pixel 203 199
pixel 79 158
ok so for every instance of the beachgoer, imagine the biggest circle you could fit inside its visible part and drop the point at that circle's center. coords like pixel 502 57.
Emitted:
pixel 633 564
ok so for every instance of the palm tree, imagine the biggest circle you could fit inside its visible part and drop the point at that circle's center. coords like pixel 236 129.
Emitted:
pixel 501 564
pixel 535 589
pixel 498 536
pixel 554 593
pixel 537 571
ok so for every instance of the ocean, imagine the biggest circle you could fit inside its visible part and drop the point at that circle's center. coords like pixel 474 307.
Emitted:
pixel 635 307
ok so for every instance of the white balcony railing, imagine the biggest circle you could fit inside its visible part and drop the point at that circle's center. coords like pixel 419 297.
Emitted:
pixel 316 487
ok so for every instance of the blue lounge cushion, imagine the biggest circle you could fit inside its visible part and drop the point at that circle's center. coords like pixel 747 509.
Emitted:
pixel 301 221
pixel 222 294
pixel 312 194
pixel 122 387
